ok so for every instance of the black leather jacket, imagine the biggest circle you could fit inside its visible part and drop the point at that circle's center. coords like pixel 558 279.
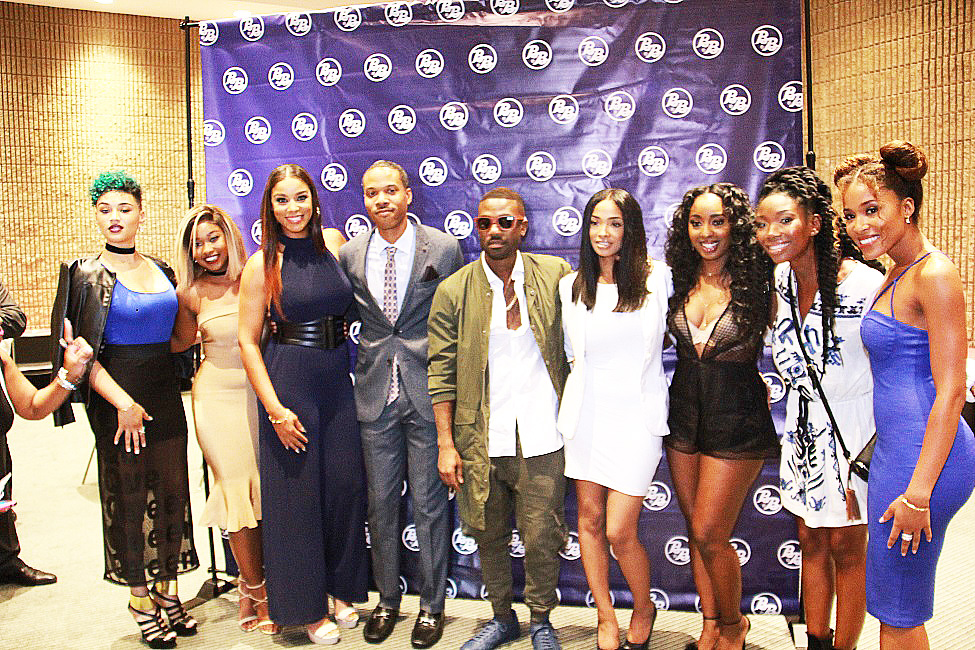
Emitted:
pixel 84 295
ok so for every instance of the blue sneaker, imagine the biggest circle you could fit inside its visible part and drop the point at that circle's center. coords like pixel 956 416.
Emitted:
pixel 543 637
pixel 494 633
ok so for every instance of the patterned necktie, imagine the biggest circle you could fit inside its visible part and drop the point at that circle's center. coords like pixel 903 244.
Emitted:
pixel 391 312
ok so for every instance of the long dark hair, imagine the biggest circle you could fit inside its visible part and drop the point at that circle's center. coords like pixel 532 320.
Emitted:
pixel 271 229
pixel 630 268
pixel 748 265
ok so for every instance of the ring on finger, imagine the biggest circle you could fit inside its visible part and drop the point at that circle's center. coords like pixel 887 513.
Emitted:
pixel 907 536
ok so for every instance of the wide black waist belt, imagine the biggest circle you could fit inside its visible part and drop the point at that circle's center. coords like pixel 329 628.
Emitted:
pixel 326 333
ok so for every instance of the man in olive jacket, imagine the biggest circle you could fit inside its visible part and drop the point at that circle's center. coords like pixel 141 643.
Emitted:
pixel 499 317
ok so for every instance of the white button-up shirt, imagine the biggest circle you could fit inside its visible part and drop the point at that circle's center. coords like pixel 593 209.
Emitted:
pixel 403 260
pixel 522 396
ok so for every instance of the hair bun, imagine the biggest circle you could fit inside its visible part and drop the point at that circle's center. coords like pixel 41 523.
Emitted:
pixel 906 159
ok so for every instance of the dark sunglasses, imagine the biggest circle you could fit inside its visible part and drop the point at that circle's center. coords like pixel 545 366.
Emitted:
pixel 505 222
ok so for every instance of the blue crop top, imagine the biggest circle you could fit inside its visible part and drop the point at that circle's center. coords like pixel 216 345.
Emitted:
pixel 135 317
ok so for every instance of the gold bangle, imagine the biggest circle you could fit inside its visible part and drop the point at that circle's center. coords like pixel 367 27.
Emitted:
pixel 274 420
pixel 126 408
pixel 912 506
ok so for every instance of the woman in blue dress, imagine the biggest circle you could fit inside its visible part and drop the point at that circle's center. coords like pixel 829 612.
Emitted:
pixel 923 467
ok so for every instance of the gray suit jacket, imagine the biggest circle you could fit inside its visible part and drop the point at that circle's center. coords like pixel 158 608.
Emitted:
pixel 437 256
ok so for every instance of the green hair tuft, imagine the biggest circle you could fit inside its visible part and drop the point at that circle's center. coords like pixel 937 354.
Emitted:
pixel 115 180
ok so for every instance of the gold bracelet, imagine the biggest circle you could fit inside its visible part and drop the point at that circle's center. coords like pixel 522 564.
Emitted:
pixel 279 420
pixel 126 408
pixel 912 506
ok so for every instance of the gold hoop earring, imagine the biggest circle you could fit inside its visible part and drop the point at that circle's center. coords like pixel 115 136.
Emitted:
pixel 907 220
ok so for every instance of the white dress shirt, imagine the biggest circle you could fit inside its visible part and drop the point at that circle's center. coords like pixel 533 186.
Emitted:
pixel 403 259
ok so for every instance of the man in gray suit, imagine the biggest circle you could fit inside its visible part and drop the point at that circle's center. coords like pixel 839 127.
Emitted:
pixel 395 267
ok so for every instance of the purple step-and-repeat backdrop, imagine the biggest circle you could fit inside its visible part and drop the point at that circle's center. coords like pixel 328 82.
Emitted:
pixel 556 99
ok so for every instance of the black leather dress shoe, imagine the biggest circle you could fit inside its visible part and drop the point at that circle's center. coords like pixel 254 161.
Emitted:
pixel 380 624
pixel 427 630
pixel 25 576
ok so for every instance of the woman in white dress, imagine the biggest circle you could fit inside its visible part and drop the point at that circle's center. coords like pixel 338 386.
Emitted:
pixel 613 412
pixel 818 283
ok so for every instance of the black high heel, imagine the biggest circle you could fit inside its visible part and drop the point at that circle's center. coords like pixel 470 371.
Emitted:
pixel 179 619
pixel 155 632
pixel 744 622
pixel 633 645
pixel 693 644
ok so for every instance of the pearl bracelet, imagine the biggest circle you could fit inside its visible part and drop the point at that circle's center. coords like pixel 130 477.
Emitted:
pixel 62 380
pixel 274 420
pixel 911 505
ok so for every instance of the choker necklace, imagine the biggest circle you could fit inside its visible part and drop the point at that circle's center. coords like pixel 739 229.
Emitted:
pixel 119 249
pixel 217 273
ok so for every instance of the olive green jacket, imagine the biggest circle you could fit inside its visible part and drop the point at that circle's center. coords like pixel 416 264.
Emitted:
pixel 459 329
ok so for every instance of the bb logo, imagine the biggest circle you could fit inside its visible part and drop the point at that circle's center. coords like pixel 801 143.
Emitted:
pixel 653 161
pixel 429 63
pixel 256 233
pixel 790 96
pixel 597 164
pixel 398 14
pixel 711 158
pixel 593 51
pixel 328 71
pixel 213 133
pixel 486 168
pixel 620 105
pixel 790 554
pixel 257 130
pixel 252 28
pixel 234 80
pixel 563 109
pixel 516 547
pixel 677 103
pixel 484 592
pixel 454 116
pixel 615 4
pixel 409 538
pixel 462 543
pixel 209 33
pixel 368 536
pixel 504 7
pixel 377 67
pixel 650 47
pixel 591 602
pixel 537 54
pixel 355 225
pixel 482 58
pixel 559 6
pixel 766 40
pixel 540 166
pixel 508 112
pixel 766 603
pixel 775 385
pixel 708 43
pixel 403 585
pixel 767 499
pixel 240 182
pixel 334 178
pixel 660 598
pixel 298 23
pixel 401 119
pixel 354 330
pixel 735 99
pixel 459 224
pixel 281 76
pixel 352 123
pixel 768 156
pixel 450 10
pixel 572 550
pixel 742 549
pixel 567 221
pixel 558 596
pixel 451 590
pixel 304 126
pixel 433 171
pixel 347 19
pixel 658 496
pixel 677 550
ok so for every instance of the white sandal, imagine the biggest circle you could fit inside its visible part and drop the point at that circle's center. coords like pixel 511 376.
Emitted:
pixel 325 634
pixel 265 625
pixel 347 617
pixel 244 595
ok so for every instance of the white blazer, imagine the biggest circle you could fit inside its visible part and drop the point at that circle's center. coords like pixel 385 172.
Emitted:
pixel 653 380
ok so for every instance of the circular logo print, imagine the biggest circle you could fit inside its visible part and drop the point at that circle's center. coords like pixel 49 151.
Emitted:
pixel 355 225
pixel 658 496
pixel 653 161
pixel 484 592
pixel 377 67
pixel 711 158
pixel 591 602
pixel 368 536
pixel 213 133
pixel 406 486
pixel 298 23
pixel 540 166
pixel 650 47
pixel 660 598
pixel 429 63
pixel 790 96
pixel 571 551
pixel 504 7
pixel 516 547
pixel 767 499
pixel 486 169
pixel 593 51
pixel 433 171
pixel 708 43
pixel 462 543
pixel 401 119
pixel 450 10
pixel 768 156
pixel 403 585
pixel 454 116
pixel 459 224
pixel 677 103
pixel 252 28
pixel 766 40
pixel 304 126
pixel 257 130
pixel 328 71
pixel 766 603
pixel 334 178
pixel 563 109
pixel 209 32
pixel 735 99
pixel 451 590
pixel 567 220
pixel 240 182
pixel 347 19
pixel 280 76
pixel 536 54
pixel 677 550
pixel 775 385
pixel 742 549
pixel 256 232
pixel 790 554
pixel 398 14
pixel 597 163
pixel 559 6
pixel 508 112
pixel 409 538
pixel 620 105
pixel 482 58
pixel 352 123
pixel 615 4
pixel 234 80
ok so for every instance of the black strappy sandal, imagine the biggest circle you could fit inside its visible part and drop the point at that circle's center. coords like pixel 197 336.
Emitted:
pixel 179 619
pixel 155 632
